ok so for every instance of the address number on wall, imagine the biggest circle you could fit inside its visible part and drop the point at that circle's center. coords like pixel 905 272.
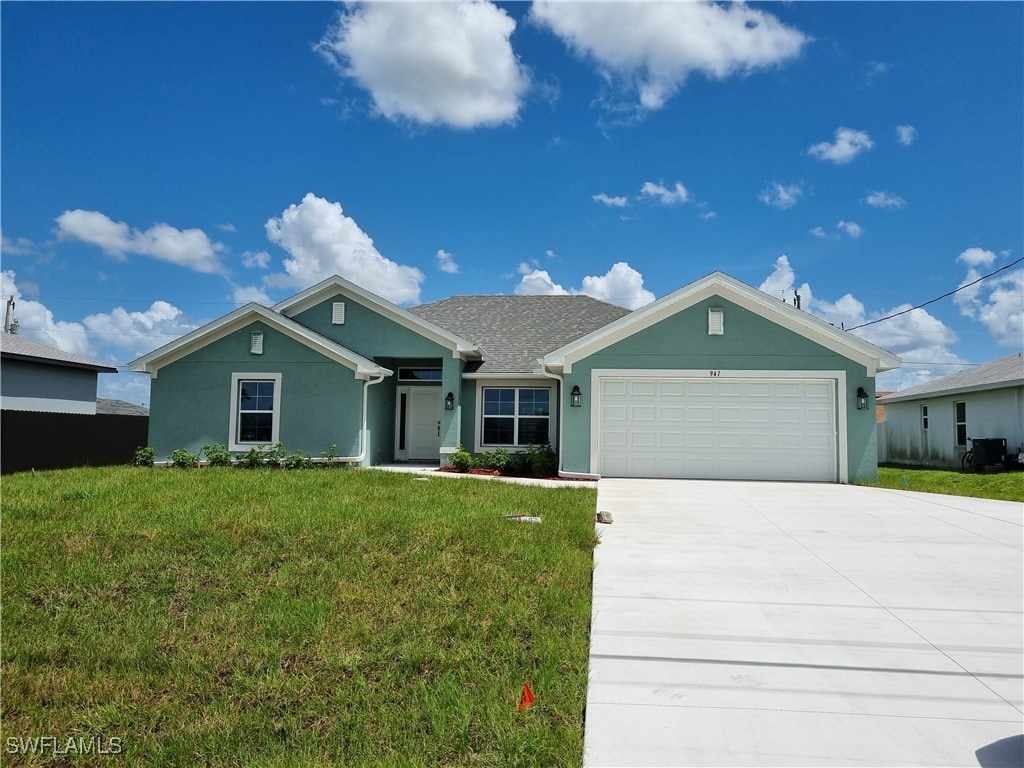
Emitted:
pixel 714 373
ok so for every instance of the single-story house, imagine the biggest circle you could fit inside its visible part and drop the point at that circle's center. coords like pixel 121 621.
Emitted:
pixel 931 424
pixel 40 378
pixel 716 380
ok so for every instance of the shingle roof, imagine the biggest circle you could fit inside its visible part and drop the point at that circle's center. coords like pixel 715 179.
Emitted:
pixel 18 347
pixel 120 407
pixel 513 331
pixel 1004 372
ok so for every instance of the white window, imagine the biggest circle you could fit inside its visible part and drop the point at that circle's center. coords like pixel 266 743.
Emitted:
pixel 516 416
pixel 255 410
pixel 338 313
pixel 924 417
pixel 419 374
pixel 716 321
pixel 960 419
pixel 256 343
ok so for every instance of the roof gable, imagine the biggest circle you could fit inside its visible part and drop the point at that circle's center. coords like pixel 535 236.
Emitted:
pixel 233 321
pixel 339 286
pixel 1004 372
pixel 19 348
pixel 873 358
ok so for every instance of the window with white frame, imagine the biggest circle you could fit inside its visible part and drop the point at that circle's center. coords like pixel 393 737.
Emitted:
pixel 516 416
pixel 924 417
pixel 960 420
pixel 255 409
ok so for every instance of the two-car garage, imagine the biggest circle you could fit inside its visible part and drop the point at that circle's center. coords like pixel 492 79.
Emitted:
pixel 739 426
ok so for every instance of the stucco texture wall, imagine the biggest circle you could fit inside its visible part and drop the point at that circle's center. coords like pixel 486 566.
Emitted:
pixel 41 381
pixel 750 342
pixel 321 400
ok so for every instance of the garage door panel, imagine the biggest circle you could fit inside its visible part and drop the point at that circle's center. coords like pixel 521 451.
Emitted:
pixel 774 429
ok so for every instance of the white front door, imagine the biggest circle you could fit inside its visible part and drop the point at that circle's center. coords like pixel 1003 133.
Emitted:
pixel 424 424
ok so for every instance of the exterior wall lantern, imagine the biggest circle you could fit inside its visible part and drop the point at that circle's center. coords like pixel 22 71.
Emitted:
pixel 575 397
pixel 862 399
pixel 449 402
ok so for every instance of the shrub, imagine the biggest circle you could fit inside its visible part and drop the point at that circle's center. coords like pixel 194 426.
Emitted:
pixel 542 461
pixel 461 460
pixel 498 459
pixel 263 456
pixel 184 459
pixel 217 454
pixel 330 454
pixel 298 460
pixel 144 457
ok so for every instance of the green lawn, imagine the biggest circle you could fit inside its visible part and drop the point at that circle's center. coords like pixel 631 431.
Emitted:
pixel 1007 486
pixel 267 617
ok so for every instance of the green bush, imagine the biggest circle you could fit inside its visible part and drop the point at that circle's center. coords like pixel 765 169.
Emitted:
pixel 498 459
pixel 330 454
pixel 298 460
pixel 462 460
pixel 263 456
pixel 541 461
pixel 183 458
pixel 217 455
pixel 144 457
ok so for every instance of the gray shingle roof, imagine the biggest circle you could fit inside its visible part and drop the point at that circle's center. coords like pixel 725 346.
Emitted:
pixel 1004 372
pixel 120 407
pixel 513 331
pixel 18 347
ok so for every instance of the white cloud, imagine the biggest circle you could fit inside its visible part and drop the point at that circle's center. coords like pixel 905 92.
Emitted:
pixel 818 232
pixel 190 248
pixel 848 144
pixel 446 262
pixel 621 285
pixel 781 196
pixel 20 247
pixel 885 200
pixel 321 241
pixel 875 69
pixel 851 228
pixel 997 303
pixel 665 195
pixel 243 294
pixel 434 63
pixel 256 259
pixel 906 134
pixel 915 336
pixel 705 212
pixel 649 49
pixel 138 332
pixel 611 202
pixel 37 322
pixel 228 227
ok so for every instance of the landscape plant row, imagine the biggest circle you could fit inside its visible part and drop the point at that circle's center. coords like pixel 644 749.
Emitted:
pixel 532 461
pixel 218 455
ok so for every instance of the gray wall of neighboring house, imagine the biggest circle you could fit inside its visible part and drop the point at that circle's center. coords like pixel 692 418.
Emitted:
pixel 990 414
pixel 29 386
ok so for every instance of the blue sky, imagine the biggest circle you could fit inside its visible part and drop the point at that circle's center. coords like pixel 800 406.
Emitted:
pixel 163 163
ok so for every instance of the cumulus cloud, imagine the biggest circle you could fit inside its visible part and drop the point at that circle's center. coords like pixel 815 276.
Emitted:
pixel 906 134
pixel 19 247
pixel 433 63
pixel 916 335
pixel 665 195
pixel 848 144
pixel 621 285
pixel 997 303
pixel 781 196
pixel 190 248
pixel 256 259
pixel 611 202
pixel 446 262
pixel 141 331
pixel 321 241
pixel 37 321
pixel 885 200
pixel 649 49
pixel 243 294
pixel 851 228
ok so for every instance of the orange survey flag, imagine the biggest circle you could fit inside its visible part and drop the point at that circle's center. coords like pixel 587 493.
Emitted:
pixel 527 698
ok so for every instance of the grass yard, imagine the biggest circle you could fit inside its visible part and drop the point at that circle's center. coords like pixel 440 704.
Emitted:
pixel 309 617
pixel 1007 486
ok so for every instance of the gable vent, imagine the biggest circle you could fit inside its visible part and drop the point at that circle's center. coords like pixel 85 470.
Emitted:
pixel 338 313
pixel 716 321
pixel 256 345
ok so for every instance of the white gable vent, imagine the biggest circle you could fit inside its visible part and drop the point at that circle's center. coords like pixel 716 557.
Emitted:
pixel 256 343
pixel 338 313
pixel 716 321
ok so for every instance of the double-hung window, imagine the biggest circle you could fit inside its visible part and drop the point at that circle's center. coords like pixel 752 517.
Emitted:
pixel 255 409
pixel 960 421
pixel 516 416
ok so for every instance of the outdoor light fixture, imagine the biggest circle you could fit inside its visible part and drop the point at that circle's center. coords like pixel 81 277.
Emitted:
pixel 862 399
pixel 575 397
pixel 449 402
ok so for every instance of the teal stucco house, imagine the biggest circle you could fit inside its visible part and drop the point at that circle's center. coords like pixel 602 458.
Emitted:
pixel 716 380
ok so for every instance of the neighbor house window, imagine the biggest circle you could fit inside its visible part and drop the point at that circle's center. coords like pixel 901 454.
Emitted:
pixel 516 416
pixel 924 417
pixel 255 409
pixel 960 419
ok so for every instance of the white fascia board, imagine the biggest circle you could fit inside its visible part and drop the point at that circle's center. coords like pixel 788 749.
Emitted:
pixel 231 322
pixel 502 376
pixel 896 397
pixel 312 296
pixel 873 358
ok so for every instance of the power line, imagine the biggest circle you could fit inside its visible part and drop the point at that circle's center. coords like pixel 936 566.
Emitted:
pixel 939 298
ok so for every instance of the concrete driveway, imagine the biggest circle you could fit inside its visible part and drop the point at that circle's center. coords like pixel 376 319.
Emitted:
pixel 797 624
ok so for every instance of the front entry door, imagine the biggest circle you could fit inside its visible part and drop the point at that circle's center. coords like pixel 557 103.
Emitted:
pixel 424 421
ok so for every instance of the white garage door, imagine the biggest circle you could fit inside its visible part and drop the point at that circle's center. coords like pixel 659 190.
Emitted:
pixel 718 428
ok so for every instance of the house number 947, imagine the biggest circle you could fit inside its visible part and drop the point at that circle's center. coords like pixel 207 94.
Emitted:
pixel 714 373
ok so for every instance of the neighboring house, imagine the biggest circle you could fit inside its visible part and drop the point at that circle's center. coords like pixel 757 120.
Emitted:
pixel 931 424
pixel 716 380
pixel 40 378
pixel 50 417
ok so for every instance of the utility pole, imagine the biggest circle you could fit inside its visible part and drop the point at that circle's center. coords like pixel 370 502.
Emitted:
pixel 7 315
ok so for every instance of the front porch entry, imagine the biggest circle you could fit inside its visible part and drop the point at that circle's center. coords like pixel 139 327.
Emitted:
pixel 418 424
